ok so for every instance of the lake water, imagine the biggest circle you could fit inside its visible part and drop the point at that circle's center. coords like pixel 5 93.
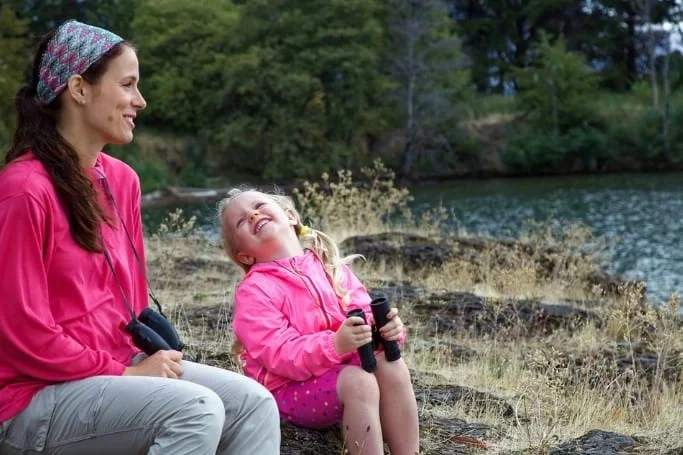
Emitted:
pixel 638 215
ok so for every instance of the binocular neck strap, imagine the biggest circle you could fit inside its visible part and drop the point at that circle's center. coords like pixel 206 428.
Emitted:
pixel 116 277
pixel 110 197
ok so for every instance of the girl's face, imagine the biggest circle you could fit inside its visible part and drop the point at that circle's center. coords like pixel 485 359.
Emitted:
pixel 257 228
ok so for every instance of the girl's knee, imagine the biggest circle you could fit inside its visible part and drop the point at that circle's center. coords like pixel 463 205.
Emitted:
pixel 354 383
pixel 393 374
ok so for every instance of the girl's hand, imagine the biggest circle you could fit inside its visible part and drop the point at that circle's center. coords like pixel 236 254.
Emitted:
pixel 393 329
pixel 351 335
pixel 163 364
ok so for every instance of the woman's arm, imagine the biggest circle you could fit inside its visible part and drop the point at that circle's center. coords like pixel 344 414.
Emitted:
pixel 32 343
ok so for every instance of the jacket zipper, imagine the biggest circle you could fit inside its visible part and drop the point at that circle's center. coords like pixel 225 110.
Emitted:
pixel 316 296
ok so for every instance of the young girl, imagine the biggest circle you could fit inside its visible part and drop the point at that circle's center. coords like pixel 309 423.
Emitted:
pixel 290 317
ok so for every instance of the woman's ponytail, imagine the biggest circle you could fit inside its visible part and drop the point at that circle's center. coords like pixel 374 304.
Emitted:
pixel 36 132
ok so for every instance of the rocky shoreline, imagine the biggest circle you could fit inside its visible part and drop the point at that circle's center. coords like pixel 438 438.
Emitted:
pixel 435 312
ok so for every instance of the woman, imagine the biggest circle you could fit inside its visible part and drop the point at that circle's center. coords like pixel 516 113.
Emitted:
pixel 72 276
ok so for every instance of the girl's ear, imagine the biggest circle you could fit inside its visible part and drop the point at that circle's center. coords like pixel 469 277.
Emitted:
pixel 291 216
pixel 245 259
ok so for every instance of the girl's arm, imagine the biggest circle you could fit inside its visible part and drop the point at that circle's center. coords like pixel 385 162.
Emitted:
pixel 268 337
pixel 359 298
pixel 32 343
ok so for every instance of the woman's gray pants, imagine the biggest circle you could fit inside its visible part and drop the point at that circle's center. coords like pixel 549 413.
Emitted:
pixel 208 411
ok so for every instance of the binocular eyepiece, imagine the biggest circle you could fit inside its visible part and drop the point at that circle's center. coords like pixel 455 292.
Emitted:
pixel 152 332
pixel 392 352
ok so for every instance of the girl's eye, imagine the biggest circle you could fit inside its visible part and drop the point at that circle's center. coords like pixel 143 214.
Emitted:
pixel 239 223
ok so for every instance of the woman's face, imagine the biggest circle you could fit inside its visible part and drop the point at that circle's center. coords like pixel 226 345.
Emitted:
pixel 115 100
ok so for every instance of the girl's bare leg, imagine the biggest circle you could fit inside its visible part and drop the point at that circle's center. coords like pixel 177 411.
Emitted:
pixel 398 408
pixel 359 393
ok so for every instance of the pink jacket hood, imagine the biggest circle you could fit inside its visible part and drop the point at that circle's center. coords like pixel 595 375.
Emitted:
pixel 286 315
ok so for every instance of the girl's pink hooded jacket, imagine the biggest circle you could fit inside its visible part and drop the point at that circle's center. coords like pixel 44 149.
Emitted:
pixel 286 315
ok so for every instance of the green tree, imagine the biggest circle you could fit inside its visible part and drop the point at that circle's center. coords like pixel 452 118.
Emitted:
pixel 557 87
pixel 425 58
pixel 498 34
pixel 183 49
pixel 303 87
pixel 14 62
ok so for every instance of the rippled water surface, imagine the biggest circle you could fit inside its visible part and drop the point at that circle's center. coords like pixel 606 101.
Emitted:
pixel 639 215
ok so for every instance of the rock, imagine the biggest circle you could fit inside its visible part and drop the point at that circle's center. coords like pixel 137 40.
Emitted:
pixel 473 401
pixel 596 442
pixel 615 285
pixel 415 253
pixel 398 293
pixel 300 441
pixel 464 311
pixel 459 353
pixel 648 364
pixel 412 250
pixel 459 437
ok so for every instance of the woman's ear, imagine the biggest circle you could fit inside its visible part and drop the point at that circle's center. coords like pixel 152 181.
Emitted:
pixel 245 259
pixel 77 88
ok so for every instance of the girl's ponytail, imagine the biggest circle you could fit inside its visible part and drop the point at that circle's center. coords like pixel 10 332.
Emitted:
pixel 328 252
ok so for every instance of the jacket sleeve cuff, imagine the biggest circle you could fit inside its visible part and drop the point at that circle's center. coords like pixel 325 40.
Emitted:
pixel 115 369
pixel 329 350
pixel 403 337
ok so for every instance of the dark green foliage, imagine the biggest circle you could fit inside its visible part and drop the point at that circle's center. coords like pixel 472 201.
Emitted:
pixel 183 49
pixel 13 64
pixel 302 87
pixel 556 87
pixel 287 89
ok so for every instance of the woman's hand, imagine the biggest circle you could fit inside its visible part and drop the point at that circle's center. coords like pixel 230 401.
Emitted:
pixel 163 364
pixel 393 329
pixel 351 335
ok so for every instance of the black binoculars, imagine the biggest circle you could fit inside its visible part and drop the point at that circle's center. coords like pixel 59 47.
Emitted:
pixel 152 332
pixel 380 308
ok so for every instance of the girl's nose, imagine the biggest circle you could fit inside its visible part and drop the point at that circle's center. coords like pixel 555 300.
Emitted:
pixel 253 215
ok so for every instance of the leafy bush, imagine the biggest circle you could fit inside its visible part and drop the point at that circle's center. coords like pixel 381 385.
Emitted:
pixel 344 206
pixel 557 86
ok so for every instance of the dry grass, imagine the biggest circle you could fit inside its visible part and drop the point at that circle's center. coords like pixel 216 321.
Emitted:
pixel 555 398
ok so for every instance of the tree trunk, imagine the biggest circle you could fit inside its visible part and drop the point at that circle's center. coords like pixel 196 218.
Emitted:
pixel 646 10
pixel 409 151
pixel 553 103
pixel 666 100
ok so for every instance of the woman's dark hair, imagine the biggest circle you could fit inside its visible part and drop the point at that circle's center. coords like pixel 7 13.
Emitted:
pixel 37 132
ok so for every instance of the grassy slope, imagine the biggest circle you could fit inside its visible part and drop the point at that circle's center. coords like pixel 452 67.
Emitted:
pixel 554 402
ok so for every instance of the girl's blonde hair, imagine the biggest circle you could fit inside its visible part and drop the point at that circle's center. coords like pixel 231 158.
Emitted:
pixel 320 243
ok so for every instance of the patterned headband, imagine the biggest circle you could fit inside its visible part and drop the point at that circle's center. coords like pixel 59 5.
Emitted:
pixel 72 50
